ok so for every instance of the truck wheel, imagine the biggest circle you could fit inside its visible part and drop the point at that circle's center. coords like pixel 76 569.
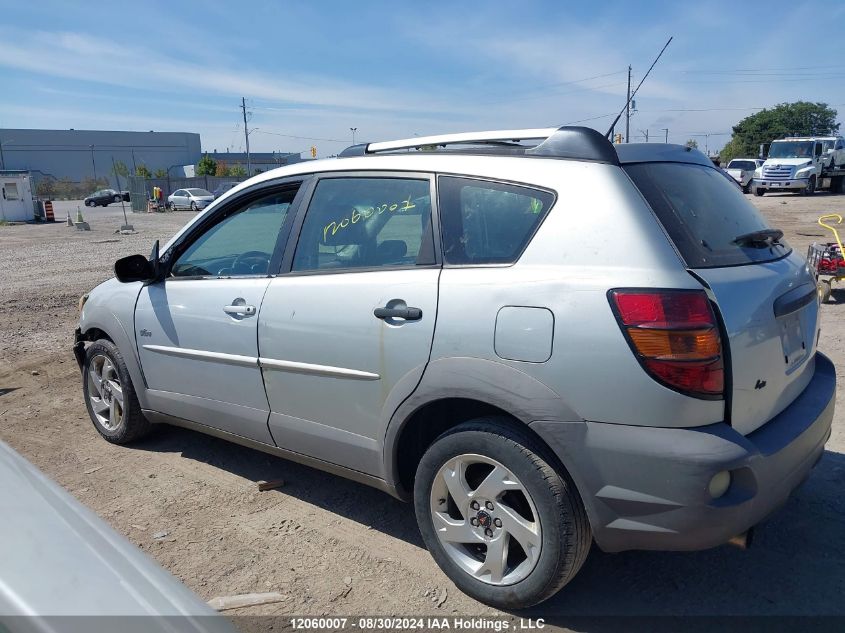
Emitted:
pixel 824 290
pixel 747 188
pixel 506 526
pixel 110 396
pixel 810 189
pixel 759 191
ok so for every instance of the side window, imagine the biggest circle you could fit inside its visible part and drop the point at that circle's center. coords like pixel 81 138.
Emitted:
pixel 241 243
pixel 487 222
pixel 366 223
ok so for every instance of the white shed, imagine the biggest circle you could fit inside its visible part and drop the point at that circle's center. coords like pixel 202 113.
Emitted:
pixel 16 200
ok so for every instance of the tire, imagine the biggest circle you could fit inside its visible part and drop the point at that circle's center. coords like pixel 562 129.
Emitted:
pixel 824 289
pixel 194 206
pixel 546 500
pixel 747 188
pixel 90 203
pixel 810 189
pixel 759 191
pixel 105 379
pixel 118 198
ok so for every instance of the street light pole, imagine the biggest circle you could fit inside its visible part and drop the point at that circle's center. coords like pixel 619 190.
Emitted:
pixel 353 130
pixel 93 164
pixel 666 134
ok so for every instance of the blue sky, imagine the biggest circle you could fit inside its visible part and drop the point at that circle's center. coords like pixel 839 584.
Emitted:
pixel 391 69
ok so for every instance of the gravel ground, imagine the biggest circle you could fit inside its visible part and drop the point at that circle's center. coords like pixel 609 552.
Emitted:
pixel 329 545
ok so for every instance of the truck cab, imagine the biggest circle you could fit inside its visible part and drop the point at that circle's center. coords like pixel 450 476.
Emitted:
pixel 793 164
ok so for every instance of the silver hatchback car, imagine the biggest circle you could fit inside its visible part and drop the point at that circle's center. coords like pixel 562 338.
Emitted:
pixel 541 339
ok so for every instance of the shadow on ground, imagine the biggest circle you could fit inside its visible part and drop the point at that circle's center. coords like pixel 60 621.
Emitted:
pixel 795 567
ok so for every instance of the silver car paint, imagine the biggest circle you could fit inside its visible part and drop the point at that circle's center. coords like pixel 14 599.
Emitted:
pixel 338 417
pixel 61 559
pixel 567 268
pixel 188 345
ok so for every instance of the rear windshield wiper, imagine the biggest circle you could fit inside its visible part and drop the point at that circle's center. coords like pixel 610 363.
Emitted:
pixel 763 237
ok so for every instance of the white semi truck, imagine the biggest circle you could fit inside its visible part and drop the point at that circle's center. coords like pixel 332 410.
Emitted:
pixel 798 164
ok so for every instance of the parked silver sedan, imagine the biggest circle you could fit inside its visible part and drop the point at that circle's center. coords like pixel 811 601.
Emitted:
pixel 193 199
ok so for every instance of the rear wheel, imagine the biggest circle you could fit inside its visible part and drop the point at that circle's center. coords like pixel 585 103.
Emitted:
pixel 110 396
pixel 90 203
pixel 506 526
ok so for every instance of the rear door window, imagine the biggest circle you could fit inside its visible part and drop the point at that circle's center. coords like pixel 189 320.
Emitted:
pixel 366 223
pixel 486 222
pixel 704 214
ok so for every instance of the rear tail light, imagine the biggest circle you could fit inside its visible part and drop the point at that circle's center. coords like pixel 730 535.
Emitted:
pixel 675 337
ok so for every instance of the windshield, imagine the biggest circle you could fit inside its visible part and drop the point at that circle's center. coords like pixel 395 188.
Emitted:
pixel 198 192
pixel 704 213
pixel 791 149
pixel 742 164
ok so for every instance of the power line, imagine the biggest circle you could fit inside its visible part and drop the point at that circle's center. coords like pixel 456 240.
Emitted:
pixel 303 138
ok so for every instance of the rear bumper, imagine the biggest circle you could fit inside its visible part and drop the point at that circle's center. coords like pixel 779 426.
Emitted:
pixel 646 487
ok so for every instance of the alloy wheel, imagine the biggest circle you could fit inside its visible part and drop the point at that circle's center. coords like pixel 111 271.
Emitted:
pixel 485 519
pixel 105 392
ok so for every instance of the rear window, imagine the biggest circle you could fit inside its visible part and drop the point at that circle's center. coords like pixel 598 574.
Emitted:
pixel 486 222
pixel 703 213
pixel 742 164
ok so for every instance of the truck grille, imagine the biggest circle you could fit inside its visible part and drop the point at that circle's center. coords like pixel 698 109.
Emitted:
pixel 777 172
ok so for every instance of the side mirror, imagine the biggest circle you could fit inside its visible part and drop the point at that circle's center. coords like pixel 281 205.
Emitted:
pixel 138 267
pixel 134 268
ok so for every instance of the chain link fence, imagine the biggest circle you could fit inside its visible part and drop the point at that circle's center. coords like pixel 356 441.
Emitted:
pixel 141 189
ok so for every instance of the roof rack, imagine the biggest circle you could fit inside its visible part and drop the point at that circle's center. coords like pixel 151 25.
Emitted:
pixel 580 143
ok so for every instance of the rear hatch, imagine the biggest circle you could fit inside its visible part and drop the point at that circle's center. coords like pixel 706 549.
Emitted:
pixel 765 292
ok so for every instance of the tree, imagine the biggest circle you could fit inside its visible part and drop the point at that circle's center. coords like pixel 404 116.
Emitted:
pixel 692 143
pixel 46 188
pixel 207 166
pixel 222 169
pixel 161 172
pixel 801 118
pixel 237 171
pixel 143 172
pixel 120 169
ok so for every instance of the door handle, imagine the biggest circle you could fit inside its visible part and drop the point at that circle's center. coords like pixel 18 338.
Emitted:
pixel 241 310
pixel 409 314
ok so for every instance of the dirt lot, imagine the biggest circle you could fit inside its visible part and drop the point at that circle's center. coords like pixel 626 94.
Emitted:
pixel 332 546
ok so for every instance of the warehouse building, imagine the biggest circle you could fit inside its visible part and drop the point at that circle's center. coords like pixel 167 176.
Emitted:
pixel 82 154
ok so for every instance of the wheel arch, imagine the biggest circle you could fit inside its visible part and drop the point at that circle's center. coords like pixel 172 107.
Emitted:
pixel 99 323
pixel 455 390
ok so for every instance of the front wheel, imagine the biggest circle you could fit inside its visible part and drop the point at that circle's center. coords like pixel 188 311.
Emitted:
pixel 193 206
pixel 810 189
pixel 110 396
pixel 759 191
pixel 506 525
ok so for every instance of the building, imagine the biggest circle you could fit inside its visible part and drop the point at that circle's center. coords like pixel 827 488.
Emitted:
pixel 82 154
pixel 263 161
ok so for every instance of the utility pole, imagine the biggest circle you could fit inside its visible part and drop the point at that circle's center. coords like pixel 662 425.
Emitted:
pixel 134 166
pixel 628 109
pixel 353 130
pixel 666 134
pixel 246 136
pixel 93 164
pixel 645 133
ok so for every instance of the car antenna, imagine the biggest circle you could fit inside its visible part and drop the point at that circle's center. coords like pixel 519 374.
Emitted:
pixel 633 94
